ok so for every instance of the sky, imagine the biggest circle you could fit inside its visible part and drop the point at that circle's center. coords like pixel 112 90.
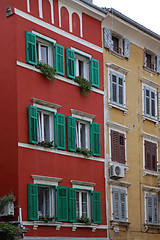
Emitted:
pixel 145 12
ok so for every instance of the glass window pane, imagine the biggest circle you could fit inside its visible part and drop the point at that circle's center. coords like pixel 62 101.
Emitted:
pixel 46 127
pixel 83 135
pixel 77 205
pixel 40 202
pixel 84 204
pixel 44 54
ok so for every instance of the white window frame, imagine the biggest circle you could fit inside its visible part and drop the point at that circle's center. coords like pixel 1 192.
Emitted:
pixel 151 139
pixel 110 143
pixel 85 61
pixel 41 42
pixel 80 203
pixel 87 134
pixel 126 198
pixel 145 204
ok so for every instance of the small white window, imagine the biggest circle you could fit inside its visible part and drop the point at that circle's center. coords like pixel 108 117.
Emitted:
pixel 82 204
pixel 82 134
pixel 45 126
pixel 45 52
pixel 82 66
pixel 45 202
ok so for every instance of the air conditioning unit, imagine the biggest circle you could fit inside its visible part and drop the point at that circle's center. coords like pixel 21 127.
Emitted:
pixel 116 171
pixel 8 210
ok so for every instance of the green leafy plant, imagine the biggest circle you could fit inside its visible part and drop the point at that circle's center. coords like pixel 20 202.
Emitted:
pixel 85 85
pixel 46 144
pixel 85 220
pixel 46 219
pixel 48 71
pixel 10 232
pixel 5 200
pixel 83 151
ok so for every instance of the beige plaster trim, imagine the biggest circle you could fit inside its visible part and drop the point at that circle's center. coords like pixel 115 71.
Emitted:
pixel 150 137
pixel 118 126
pixel 117 68
pixel 119 183
pixel 150 189
pixel 149 82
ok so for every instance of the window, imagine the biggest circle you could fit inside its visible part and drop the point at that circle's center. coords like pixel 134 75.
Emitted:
pixel 83 204
pixel 117 88
pixel 150 98
pixel 81 65
pixel 149 60
pixel 47 51
pixel 79 134
pixel 82 135
pixel 70 203
pixel 150 155
pixel 118 147
pixel 152 209
pixel 119 204
pixel 116 43
pixel 46 201
pixel 46 126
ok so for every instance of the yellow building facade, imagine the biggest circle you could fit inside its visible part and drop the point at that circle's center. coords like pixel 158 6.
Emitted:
pixel 132 115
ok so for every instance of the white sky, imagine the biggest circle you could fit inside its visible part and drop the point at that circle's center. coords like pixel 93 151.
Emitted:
pixel 145 12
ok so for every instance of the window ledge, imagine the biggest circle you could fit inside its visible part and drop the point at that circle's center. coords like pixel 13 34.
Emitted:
pixel 116 224
pixel 150 70
pixel 124 109
pixel 116 54
pixel 36 224
pixel 155 120
pixel 83 225
pixel 152 226
pixel 150 172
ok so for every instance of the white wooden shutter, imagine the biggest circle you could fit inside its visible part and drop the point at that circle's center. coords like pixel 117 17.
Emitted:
pixel 107 38
pixel 126 48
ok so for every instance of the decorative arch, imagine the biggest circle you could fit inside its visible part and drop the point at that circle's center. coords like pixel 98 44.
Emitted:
pixel 64 19
pixel 75 24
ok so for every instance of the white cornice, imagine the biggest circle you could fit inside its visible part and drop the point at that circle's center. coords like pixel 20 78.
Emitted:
pixel 86 184
pixel 45 178
pixel 118 126
pixel 46 104
pixel 150 137
pixel 117 68
pixel 150 83
pixel 82 114
pixel 151 189
pixel 119 183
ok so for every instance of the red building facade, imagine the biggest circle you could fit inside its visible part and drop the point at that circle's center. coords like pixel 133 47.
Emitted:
pixel 48 129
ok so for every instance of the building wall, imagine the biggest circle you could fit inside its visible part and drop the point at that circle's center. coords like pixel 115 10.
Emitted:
pixel 130 122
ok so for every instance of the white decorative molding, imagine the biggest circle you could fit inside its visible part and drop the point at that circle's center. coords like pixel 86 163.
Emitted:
pixel 119 183
pixel 57 30
pixel 46 180
pixel 83 185
pixel 28 6
pixel 150 137
pixel 124 109
pixel 117 68
pixel 83 225
pixel 152 226
pixel 115 225
pixel 149 172
pixel 57 151
pixel 155 120
pixel 77 113
pixel 40 8
pixel 150 83
pixel 58 77
pixel 46 104
pixel 118 126
pixel 150 189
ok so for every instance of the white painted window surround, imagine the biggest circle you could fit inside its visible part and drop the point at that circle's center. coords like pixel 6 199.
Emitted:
pixel 71 10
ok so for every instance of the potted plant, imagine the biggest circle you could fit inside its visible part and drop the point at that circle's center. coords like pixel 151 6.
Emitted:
pixel 9 231
pixel 83 151
pixel 85 220
pixel 48 71
pixel 84 84
pixel 7 205
pixel 46 144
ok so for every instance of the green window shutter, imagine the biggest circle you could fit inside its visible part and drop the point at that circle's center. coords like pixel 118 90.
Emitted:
pixel 96 207
pixel 71 133
pixel 59 51
pixel 62 204
pixel 95 72
pixel 60 127
pixel 31 53
pixel 96 142
pixel 70 63
pixel 72 205
pixel 32 202
pixel 33 125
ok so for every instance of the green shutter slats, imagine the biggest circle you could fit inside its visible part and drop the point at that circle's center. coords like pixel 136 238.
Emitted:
pixel 31 53
pixel 95 72
pixel 59 53
pixel 70 63
pixel 33 125
pixel 71 133
pixel 60 131
pixel 96 142
pixel 72 204
pixel 96 207
pixel 62 204
pixel 32 202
